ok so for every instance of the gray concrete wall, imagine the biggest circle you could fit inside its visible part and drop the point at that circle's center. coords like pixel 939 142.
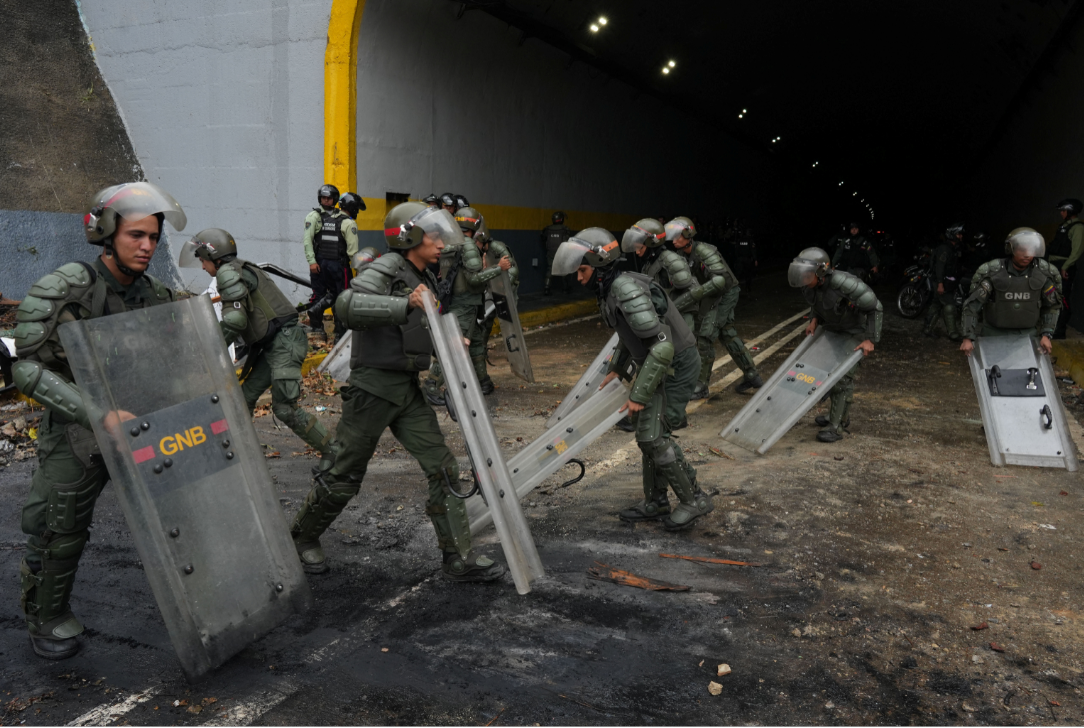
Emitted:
pixel 1039 159
pixel 36 243
pixel 224 106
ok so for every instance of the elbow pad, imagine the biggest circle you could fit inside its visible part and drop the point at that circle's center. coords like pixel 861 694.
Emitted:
pixel 58 395
pixel 234 321
pixel 654 369
pixel 367 310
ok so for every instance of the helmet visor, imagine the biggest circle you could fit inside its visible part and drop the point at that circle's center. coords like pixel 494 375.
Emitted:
pixel 138 200
pixel 674 228
pixel 188 257
pixel 801 273
pixel 362 258
pixel 439 223
pixel 634 240
pixel 569 256
pixel 1028 243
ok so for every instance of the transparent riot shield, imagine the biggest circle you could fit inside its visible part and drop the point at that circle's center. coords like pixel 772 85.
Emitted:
pixel 190 475
pixel 557 446
pixel 587 386
pixel 504 298
pixel 484 451
pixel 337 362
pixel 807 374
pixel 1021 407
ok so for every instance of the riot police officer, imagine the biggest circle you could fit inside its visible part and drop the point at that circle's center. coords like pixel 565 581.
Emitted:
pixel 463 279
pixel 352 203
pixel 331 240
pixel 492 252
pixel 652 334
pixel 432 201
pixel 447 201
pixel 126 221
pixel 1064 252
pixel 715 319
pixel 391 345
pixel 552 237
pixel 670 270
pixel 1017 294
pixel 743 251
pixel 854 254
pixel 946 265
pixel 840 302
pixel 255 311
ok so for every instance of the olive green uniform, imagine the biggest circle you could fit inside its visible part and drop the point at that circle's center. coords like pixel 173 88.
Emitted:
pixel 391 346
pixel 1013 302
pixel 946 265
pixel 498 250
pixel 653 334
pixel 63 491
pixel 715 318
pixel 465 266
pixel 843 303
pixel 255 311
pixel 671 271
pixel 1065 251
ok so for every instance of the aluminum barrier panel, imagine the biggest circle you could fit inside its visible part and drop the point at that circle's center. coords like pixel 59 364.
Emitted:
pixel 190 476
pixel 1021 407
pixel 554 448
pixel 337 362
pixel 806 376
pixel 587 386
pixel 504 298
pixel 483 449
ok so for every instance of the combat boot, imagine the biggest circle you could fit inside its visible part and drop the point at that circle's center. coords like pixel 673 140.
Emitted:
pixel 487 385
pixel 626 424
pixel 700 392
pixel 433 394
pixel 46 588
pixel 322 506
pixel 656 503
pixel 748 383
pixel 823 421
pixel 694 502
pixel 471 568
pixel 830 434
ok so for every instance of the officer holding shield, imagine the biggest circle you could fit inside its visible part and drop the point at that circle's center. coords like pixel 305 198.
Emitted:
pixel 391 345
pixel 126 221
pixel 256 311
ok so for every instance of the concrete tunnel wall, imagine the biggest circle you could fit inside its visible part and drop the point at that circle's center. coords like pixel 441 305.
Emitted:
pixel 224 108
pixel 1038 159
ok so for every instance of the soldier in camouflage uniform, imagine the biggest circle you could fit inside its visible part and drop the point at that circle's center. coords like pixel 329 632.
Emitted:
pixel 391 345
pixel 715 319
pixel 653 335
pixel 463 272
pixel 551 239
pixel 1018 294
pixel 255 311
pixel 126 220
pixel 840 302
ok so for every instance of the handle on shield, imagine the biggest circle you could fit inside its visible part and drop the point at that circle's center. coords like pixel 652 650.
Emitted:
pixel 1045 412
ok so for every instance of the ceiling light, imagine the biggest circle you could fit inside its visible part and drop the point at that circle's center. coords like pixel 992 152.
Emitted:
pixel 741 116
pixel 602 20
pixel 854 194
pixel 594 28
pixel 666 69
pixel 672 64
pixel 745 111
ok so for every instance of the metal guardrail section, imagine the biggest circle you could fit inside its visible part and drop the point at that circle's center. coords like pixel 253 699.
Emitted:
pixel 587 386
pixel 493 474
pixel 807 374
pixel 556 447
pixel 1029 431
pixel 337 362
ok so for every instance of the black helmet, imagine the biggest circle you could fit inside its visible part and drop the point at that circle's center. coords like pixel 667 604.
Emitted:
pixel 432 201
pixel 979 238
pixel 328 191
pixel 956 228
pixel 447 199
pixel 854 226
pixel 461 202
pixel 558 218
pixel 1071 205
pixel 351 204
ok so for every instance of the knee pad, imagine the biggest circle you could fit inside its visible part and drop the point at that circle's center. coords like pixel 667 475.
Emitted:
pixel 660 450
pixel 288 413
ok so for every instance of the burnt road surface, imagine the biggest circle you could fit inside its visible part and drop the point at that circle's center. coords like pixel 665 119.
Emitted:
pixel 899 578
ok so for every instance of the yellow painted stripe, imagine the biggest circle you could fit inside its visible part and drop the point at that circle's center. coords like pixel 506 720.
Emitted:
pixel 1070 354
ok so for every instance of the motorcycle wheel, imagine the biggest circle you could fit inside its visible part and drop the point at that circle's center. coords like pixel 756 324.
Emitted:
pixel 911 301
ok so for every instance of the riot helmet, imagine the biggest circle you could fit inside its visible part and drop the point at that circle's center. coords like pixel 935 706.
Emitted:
pixel 213 244
pixel 1026 241
pixel 351 204
pixel 408 222
pixel 328 191
pixel 461 202
pixel 448 200
pixel 432 201
pixel 811 263
pixel 482 235
pixel 854 226
pixel 956 228
pixel 646 233
pixel 468 219
pixel 682 226
pixel 364 257
pixel 133 201
pixel 558 218
pixel 978 239
pixel 1071 205
pixel 594 246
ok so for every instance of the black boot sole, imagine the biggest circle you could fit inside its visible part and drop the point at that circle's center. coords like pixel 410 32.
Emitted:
pixel 49 654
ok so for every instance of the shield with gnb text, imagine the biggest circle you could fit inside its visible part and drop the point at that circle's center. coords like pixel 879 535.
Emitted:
pixel 190 475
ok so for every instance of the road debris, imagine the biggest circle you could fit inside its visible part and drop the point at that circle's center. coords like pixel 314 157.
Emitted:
pixel 605 572
pixel 715 688
pixel 709 560
pixel 723 669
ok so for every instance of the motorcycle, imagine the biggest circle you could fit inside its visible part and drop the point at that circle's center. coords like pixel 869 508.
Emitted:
pixel 917 291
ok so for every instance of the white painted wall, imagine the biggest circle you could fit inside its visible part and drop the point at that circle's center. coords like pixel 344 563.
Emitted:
pixel 224 105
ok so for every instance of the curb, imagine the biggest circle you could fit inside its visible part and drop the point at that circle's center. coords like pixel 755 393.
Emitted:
pixel 1070 355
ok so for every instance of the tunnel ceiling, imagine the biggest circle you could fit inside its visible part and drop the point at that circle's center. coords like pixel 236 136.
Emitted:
pixel 882 94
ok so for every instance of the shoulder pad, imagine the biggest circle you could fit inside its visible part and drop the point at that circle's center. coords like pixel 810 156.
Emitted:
pixel 499 248
pixel 28 335
pixel 231 287
pixel 470 257
pixel 987 268
pixel 843 282
pixel 1047 267
pixel 376 277
pixel 706 250
pixel 74 273
pixel 677 268
pixel 53 285
pixel 387 264
pixel 636 304
pixel 34 309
